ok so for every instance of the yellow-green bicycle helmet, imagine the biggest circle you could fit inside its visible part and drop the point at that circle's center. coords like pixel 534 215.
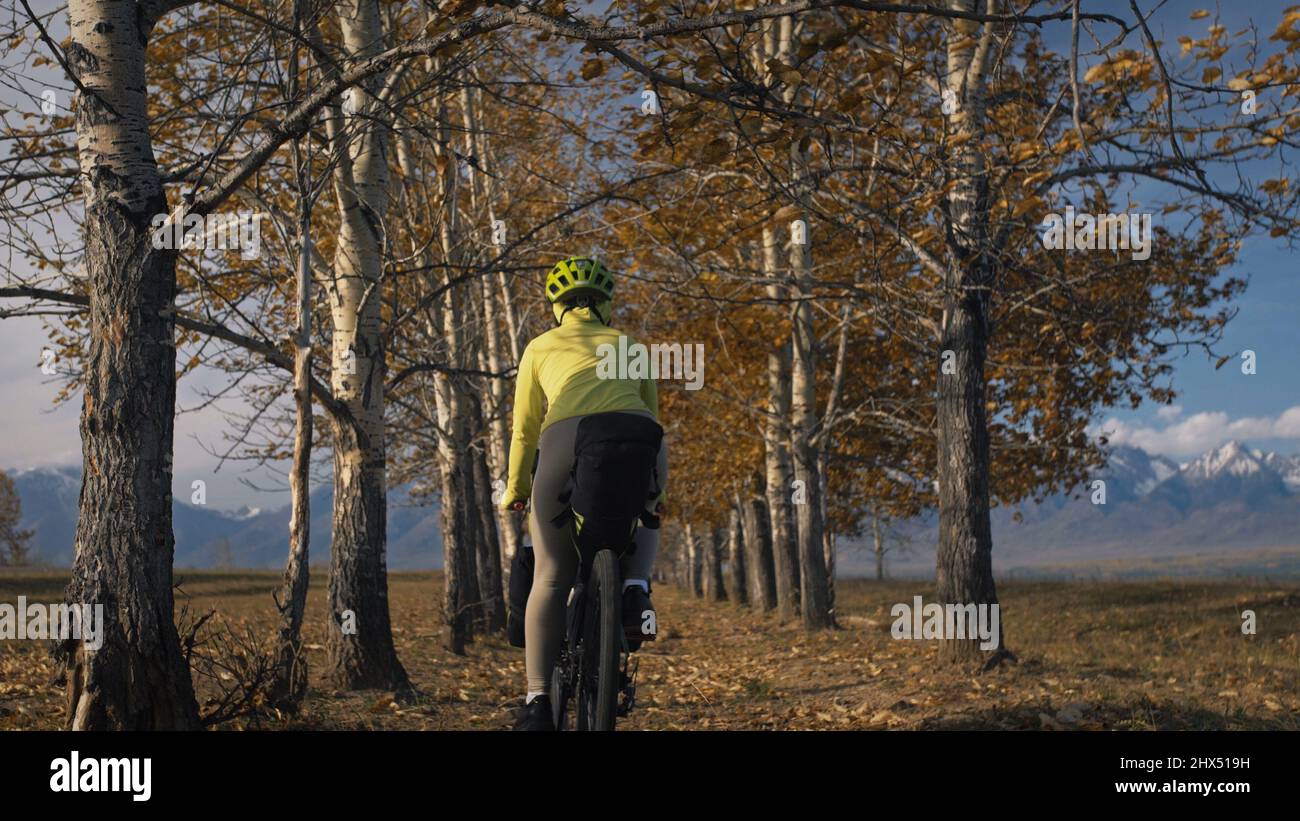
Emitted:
pixel 579 277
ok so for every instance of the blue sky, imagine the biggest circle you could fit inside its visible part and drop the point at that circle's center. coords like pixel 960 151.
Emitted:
pixel 1261 409
pixel 1217 405
pixel 1214 406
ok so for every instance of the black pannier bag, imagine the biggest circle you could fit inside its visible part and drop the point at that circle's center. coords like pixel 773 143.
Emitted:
pixel 521 584
pixel 614 475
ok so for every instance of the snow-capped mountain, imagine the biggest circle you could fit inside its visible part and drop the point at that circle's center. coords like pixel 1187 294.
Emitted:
pixel 1132 472
pixel 1231 459
pixel 1230 473
pixel 1229 502
pixel 1288 467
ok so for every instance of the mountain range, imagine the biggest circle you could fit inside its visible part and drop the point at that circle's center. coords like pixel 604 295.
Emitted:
pixel 206 537
pixel 1227 502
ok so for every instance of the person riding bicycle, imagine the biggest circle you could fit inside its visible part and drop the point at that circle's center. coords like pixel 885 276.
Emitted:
pixel 560 366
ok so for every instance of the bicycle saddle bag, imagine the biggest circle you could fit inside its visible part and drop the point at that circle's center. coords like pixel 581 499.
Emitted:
pixel 613 477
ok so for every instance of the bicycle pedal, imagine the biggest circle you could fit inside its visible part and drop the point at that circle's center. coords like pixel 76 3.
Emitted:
pixel 628 701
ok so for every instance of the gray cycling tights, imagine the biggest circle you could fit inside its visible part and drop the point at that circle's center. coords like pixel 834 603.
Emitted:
pixel 556 560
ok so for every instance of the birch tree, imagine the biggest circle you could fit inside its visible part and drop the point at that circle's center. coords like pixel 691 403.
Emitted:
pixel 137 679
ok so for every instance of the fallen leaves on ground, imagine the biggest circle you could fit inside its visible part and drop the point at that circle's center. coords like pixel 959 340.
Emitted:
pixel 1149 655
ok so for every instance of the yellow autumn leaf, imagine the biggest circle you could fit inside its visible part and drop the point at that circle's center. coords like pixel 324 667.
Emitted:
pixel 1096 73
pixel 1034 179
pixel 1023 151
pixel 1068 142
pixel 1027 205
pixel 1200 14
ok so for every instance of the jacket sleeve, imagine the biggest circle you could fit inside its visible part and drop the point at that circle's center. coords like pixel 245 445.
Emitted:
pixel 650 395
pixel 527 422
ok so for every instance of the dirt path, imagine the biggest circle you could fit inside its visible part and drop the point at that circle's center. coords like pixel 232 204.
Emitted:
pixel 1093 655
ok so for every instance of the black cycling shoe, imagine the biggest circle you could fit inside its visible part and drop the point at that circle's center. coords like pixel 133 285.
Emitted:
pixel 639 622
pixel 535 716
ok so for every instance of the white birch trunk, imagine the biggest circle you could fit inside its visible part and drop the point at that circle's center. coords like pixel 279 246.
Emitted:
pixel 360 642
pixel 137 679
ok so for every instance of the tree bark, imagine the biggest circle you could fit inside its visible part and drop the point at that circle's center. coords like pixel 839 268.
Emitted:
pixel 879 549
pixel 290 684
pixel 138 679
pixel 738 587
pixel 464 515
pixel 829 539
pixel 489 545
pixel 467 520
pixel 814 589
pixel 454 550
pixel 759 570
pixel 676 570
pixel 714 588
pixel 360 642
pixel 777 456
pixel 965 555
pixel 694 561
pixel 965 551
pixel 509 526
pixel 462 603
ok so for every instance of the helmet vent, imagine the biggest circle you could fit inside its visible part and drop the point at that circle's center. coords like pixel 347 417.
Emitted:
pixel 576 275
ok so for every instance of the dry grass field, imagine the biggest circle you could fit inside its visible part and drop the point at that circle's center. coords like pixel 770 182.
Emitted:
pixel 1092 656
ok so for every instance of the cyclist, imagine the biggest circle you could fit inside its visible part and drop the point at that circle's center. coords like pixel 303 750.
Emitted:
pixel 560 366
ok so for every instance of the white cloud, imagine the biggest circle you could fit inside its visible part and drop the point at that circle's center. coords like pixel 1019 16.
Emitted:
pixel 1169 412
pixel 1288 424
pixel 1199 432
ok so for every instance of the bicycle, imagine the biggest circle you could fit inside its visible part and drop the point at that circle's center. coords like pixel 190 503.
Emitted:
pixel 613 477
pixel 595 666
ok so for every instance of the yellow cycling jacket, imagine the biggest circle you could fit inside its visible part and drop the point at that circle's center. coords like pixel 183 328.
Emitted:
pixel 560 367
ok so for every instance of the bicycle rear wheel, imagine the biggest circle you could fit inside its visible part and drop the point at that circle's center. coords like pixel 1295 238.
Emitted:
pixel 602 640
